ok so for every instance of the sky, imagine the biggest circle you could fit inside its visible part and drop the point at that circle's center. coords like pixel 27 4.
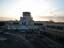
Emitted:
pixel 51 9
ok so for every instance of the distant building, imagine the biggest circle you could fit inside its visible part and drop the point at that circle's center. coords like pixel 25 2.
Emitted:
pixel 26 19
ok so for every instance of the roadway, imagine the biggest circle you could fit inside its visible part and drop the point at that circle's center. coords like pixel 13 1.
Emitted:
pixel 26 40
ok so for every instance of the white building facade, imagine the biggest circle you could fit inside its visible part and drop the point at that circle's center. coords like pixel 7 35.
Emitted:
pixel 26 20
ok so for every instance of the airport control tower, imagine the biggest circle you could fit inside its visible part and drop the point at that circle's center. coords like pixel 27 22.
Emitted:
pixel 26 19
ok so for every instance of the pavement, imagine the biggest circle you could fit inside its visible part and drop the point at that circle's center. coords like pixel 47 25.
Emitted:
pixel 26 40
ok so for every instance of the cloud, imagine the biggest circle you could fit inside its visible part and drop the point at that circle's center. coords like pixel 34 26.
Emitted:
pixel 58 12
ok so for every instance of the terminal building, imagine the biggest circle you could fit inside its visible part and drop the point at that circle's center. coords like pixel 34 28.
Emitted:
pixel 26 23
